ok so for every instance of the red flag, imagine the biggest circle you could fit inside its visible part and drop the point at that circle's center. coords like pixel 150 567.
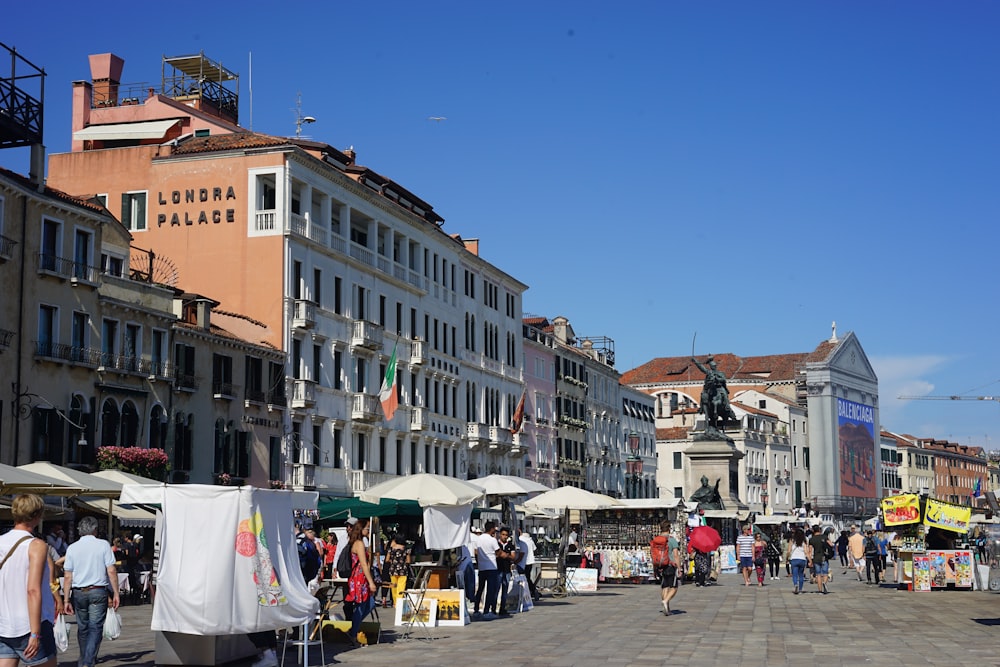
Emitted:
pixel 518 419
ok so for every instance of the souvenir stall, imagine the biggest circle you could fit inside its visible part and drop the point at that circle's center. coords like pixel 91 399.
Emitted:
pixel 727 524
pixel 616 541
pixel 925 533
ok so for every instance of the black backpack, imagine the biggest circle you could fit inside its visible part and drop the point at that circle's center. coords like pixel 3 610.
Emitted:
pixel 344 563
pixel 308 558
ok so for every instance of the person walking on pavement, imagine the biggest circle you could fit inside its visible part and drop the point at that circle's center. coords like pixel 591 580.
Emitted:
pixel 842 550
pixel 744 551
pixel 797 556
pixel 817 558
pixel 507 559
pixel 90 572
pixel 759 557
pixel 27 606
pixel 774 558
pixel 856 547
pixel 872 559
pixel 669 573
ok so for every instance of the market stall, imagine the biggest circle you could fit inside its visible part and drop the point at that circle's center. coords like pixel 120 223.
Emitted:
pixel 926 531
pixel 616 541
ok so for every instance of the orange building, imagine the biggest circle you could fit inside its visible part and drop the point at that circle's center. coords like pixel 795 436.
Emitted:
pixel 956 470
pixel 342 267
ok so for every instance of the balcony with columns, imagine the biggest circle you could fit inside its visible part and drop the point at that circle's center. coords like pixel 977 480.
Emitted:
pixel 478 435
pixel 419 419
pixel 365 408
pixel 366 335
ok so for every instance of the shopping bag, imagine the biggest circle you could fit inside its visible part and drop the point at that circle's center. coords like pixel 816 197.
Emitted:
pixel 527 603
pixel 515 596
pixel 112 625
pixel 61 632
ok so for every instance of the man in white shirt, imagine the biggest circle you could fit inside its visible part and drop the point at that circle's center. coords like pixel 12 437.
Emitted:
pixel 489 577
pixel 527 547
pixel 90 572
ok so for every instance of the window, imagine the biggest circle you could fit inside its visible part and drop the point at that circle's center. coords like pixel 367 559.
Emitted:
pixel 678 460
pixel 184 363
pixel 134 211
pixel 51 245
pixel 222 375
pixel 254 380
pixel 317 287
pixel 80 335
pixel 109 343
pixel 678 492
pixel 338 369
pixel 82 248
pixel 112 265
pixel 274 458
pixel 266 193
pixel 48 327
pixel 132 347
pixel 158 353
pixel 317 365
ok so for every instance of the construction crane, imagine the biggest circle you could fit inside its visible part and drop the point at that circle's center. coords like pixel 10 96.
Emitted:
pixel 950 398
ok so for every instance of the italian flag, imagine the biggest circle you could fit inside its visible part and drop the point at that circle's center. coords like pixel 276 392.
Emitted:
pixel 387 394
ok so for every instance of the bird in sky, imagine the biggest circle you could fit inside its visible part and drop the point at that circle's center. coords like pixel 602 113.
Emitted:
pixel 436 119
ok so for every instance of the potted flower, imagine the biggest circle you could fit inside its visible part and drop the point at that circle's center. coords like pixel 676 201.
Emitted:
pixel 151 463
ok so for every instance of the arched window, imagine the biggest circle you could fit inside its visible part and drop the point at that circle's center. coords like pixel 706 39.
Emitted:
pixel 110 419
pixel 129 430
pixel 157 428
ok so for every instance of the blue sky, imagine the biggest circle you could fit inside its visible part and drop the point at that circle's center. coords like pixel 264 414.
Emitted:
pixel 747 171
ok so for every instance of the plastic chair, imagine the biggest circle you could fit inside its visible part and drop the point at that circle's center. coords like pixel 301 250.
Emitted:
pixel 306 640
pixel 414 598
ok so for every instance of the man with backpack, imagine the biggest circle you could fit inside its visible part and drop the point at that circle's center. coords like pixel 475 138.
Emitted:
pixel 310 562
pixel 665 554
pixel 872 559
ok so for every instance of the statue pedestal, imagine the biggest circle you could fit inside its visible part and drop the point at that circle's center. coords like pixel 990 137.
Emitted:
pixel 716 460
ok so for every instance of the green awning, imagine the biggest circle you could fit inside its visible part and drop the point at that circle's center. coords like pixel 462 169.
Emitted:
pixel 338 509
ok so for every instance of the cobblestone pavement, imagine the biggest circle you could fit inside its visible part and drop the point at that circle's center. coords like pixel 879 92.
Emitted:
pixel 726 624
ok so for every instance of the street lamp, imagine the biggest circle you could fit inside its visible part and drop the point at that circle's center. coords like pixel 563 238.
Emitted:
pixel 763 499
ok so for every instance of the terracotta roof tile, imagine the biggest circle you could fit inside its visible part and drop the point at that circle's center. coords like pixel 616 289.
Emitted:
pixel 88 202
pixel 672 433
pixel 754 411
pixel 228 142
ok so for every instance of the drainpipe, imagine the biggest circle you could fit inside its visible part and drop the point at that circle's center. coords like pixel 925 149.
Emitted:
pixel 20 331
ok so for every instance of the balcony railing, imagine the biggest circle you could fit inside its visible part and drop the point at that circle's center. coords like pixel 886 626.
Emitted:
pixel 6 337
pixel 297 223
pixel 367 335
pixel 500 436
pixel 52 264
pixel 362 254
pixel 186 382
pixel 303 393
pixel 303 475
pixel 6 247
pixel 255 396
pixel 418 352
pixel 82 273
pixel 418 419
pixel 365 407
pixel 362 480
pixel 264 221
pixel 224 390
pixel 304 315
pixel 478 434
pixel 277 399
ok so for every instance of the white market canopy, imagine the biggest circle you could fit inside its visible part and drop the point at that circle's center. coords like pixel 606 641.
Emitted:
pixel 18 480
pixel 427 489
pixel 572 498
pixel 508 485
pixel 91 484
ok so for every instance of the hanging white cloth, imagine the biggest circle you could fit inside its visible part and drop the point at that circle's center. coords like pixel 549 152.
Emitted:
pixel 228 562
pixel 447 527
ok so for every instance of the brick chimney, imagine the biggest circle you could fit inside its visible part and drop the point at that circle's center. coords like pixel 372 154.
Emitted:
pixel 106 73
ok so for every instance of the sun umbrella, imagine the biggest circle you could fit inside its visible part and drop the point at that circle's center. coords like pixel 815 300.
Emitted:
pixel 18 480
pixel 704 539
pixel 426 488
pixel 508 485
pixel 570 497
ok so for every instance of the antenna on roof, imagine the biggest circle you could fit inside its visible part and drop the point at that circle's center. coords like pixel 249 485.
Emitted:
pixel 300 120
pixel 251 90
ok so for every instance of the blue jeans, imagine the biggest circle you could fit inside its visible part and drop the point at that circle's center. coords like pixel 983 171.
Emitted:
pixel 361 611
pixel 504 584
pixel 798 573
pixel 492 581
pixel 91 607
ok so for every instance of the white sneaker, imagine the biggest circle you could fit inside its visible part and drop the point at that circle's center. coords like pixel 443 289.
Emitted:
pixel 266 659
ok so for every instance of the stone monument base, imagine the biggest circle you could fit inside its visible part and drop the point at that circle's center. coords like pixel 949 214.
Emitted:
pixel 716 460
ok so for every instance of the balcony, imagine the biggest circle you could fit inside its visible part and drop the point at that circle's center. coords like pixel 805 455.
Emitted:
pixel 418 352
pixel 367 335
pixel 254 397
pixel 362 480
pixel 186 382
pixel 365 408
pixel 517 449
pixel 223 390
pixel 276 399
pixel 264 221
pixel 303 475
pixel 6 247
pixel 54 266
pixel 85 275
pixel 418 419
pixel 303 393
pixel 304 314
pixel 478 435
pixel 500 437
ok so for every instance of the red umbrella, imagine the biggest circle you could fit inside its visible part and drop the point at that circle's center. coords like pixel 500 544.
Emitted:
pixel 705 539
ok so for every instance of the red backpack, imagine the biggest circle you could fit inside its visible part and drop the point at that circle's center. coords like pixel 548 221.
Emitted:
pixel 659 551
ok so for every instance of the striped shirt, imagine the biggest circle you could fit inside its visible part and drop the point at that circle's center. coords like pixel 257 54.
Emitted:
pixel 744 546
